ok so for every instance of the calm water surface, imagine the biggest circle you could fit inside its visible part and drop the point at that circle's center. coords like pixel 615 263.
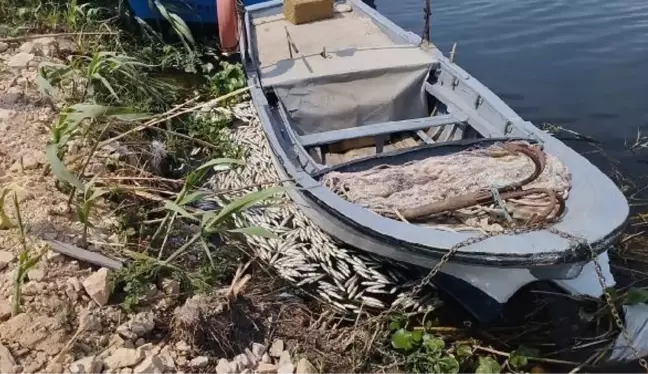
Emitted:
pixel 582 64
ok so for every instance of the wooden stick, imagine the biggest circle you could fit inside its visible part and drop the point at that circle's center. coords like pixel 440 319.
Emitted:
pixel 176 114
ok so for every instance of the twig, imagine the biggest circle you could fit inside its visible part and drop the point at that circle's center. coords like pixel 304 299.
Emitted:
pixel 38 36
pixel 505 354
pixel 168 116
pixel 179 135
pixel 153 179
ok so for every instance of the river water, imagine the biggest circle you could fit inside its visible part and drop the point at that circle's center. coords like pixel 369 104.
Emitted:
pixel 581 64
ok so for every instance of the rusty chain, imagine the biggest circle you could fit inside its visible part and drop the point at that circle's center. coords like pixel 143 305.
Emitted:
pixel 594 257
pixel 608 298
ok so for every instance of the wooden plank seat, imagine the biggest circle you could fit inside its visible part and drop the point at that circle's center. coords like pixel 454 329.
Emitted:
pixel 378 129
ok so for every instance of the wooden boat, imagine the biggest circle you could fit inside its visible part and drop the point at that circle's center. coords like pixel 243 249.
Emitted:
pixel 352 92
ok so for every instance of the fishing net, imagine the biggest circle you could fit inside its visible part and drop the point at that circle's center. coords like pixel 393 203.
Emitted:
pixel 391 189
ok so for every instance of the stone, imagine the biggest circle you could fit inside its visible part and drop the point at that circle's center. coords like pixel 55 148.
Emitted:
pixel 264 368
pixel 27 47
pixel 6 258
pixel 286 369
pixel 20 60
pixel 266 358
pixel 285 358
pixel 152 364
pixel 258 350
pixel 140 342
pixel 86 365
pixel 124 357
pixel 246 371
pixel 243 360
pixel 54 367
pixel 140 325
pixel 167 358
pixel 36 274
pixel 276 348
pixel 235 366
pixel 5 310
pixel 170 286
pixel 126 371
pixel 182 346
pixel 223 366
pixel 89 320
pixel 305 367
pixel 199 362
pixel 3 47
pixel 7 361
pixel 32 159
pixel 97 285
pixel 251 357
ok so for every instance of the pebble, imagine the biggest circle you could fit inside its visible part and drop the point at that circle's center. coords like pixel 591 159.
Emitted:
pixel 266 359
pixel 258 350
pixel 124 357
pixel 276 348
pixel 7 361
pixel 199 362
pixel 286 369
pixel 223 366
pixel 170 286
pixel 86 365
pixel 152 364
pixel 20 60
pixel 3 47
pixel 97 285
pixel 285 359
pixel 305 367
pixel 6 258
pixel 140 325
pixel 264 368
pixel 5 310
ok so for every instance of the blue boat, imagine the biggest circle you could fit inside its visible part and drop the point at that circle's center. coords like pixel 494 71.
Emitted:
pixel 355 92
pixel 191 11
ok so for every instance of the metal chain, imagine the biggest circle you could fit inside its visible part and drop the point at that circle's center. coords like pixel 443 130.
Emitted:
pixel 608 298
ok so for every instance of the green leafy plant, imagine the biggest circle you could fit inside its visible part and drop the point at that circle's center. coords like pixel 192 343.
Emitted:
pixel 229 77
pixel 26 261
pixel 488 365
pixel 90 195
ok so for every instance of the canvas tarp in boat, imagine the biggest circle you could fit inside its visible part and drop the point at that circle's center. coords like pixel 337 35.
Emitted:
pixel 351 87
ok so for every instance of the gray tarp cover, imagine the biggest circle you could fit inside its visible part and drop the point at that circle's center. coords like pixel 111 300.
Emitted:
pixel 351 87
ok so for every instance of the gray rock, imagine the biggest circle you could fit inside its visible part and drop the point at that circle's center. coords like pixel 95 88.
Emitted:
pixel 7 361
pixel 305 367
pixel 3 47
pixel 264 368
pixel 6 258
pixel 223 367
pixel 276 348
pixel 286 369
pixel 97 285
pixel 20 60
pixel 124 357
pixel 152 364
pixel 36 274
pixel 251 357
pixel 167 358
pixel 170 286
pixel 243 360
pixel 199 362
pixel 27 47
pixel 285 359
pixel 5 310
pixel 140 325
pixel 86 365
pixel 258 350
pixel 89 320
pixel 235 366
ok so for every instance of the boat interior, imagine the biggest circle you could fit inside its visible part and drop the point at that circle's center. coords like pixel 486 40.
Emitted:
pixel 350 87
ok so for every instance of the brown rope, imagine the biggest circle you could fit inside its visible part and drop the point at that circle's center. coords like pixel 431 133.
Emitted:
pixel 486 197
